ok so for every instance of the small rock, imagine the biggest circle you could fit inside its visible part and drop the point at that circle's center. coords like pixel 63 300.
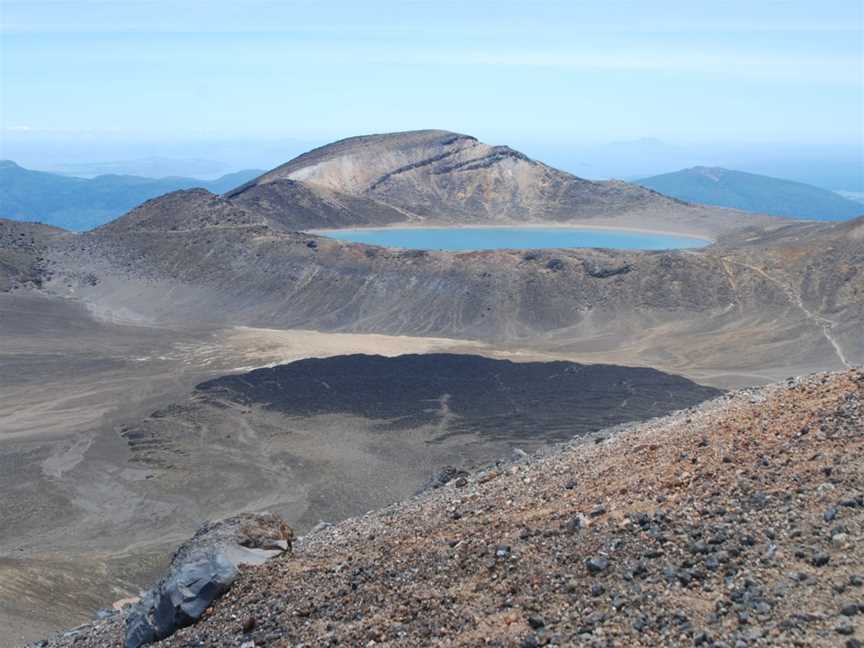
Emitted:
pixel 699 547
pixel 600 509
pixel 574 523
pixel 820 559
pixel 844 628
pixel 769 554
pixel 321 526
pixel 595 618
pixel 701 639
pixel 640 623
pixel 520 455
pixel 597 565
pixel 484 477
pixel 444 476
pixel 536 622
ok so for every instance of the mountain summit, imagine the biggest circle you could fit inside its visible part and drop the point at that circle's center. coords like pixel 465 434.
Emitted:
pixel 440 177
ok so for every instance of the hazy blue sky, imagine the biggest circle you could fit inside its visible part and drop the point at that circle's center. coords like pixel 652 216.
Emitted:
pixel 542 74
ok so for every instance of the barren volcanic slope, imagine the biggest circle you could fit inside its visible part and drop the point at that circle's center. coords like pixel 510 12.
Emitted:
pixel 22 250
pixel 724 314
pixel 739 522
pixel 762 303
pixel 439 177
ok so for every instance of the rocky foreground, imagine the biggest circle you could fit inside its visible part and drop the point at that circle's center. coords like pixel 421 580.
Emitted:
pixel 736 523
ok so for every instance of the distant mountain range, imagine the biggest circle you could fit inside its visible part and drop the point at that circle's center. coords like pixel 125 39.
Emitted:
pixel 148 167
pixel 325 199
pixel 754 193
pixel 80 203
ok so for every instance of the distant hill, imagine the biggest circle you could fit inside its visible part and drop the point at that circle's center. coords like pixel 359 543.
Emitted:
pixel 755 193
pixel 147 167
pixel 81 204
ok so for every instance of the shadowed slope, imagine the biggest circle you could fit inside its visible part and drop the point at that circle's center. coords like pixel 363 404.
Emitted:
pixel 464 393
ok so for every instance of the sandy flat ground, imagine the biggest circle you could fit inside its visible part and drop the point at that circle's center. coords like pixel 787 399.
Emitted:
pixel 265 347
pixel 259 347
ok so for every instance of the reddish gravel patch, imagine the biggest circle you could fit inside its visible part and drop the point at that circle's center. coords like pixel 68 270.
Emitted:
pixel 735 523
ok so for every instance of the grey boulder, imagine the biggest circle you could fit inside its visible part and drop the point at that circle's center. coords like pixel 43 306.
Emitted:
pixel 202 570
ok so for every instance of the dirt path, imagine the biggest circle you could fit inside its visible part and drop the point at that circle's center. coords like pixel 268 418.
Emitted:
pixel 824 324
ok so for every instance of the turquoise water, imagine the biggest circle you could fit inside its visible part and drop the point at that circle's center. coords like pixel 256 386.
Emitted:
pixel 494 238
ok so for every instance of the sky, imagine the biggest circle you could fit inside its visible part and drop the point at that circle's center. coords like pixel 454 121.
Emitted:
pixel 115 79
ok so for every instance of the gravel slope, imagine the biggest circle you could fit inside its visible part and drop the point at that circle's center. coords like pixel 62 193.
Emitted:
pixel 736 523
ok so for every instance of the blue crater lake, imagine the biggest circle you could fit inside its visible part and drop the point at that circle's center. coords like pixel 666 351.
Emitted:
pixel 462 239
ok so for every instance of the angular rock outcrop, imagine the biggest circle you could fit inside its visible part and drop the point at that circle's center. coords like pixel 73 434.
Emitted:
pixel 202 570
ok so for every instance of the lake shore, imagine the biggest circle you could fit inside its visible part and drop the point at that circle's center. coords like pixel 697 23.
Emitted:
pixel 528 226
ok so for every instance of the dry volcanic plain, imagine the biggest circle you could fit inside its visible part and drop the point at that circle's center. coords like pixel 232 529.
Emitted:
pixel 150 376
